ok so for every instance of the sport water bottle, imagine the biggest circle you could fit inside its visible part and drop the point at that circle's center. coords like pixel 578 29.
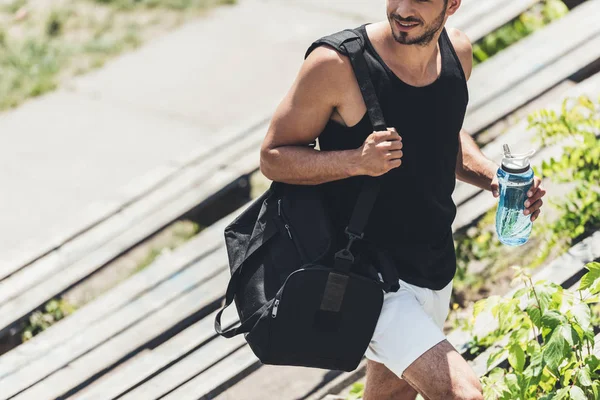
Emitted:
pixel 515 177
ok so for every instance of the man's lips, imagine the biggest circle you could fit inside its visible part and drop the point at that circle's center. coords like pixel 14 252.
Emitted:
pixel 408 27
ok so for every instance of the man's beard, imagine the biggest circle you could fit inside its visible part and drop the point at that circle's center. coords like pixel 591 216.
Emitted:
pixel 426 37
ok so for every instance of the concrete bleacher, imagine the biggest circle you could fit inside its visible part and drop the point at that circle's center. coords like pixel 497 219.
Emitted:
pixel 105 179
pixel 26 287
pixel 123 344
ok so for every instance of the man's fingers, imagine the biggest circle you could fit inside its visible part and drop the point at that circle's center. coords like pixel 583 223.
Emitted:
pixel 537 194
pixel 391 145
pixel 534 186
pixel 394 154
pixel 534 207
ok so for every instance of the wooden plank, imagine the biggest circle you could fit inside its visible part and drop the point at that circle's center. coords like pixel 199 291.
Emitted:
pixel 203 244
pixel 523 91
pixel 196 175
pixel 211 357
pixel 534 53
pixel 140 369
pixel 212 381
pixel 106 342
pixel 124 230
pixel 533 64
pixel 492 19
pixel 106 355
pixel 479 18
pixel 78 226
pixel 519 137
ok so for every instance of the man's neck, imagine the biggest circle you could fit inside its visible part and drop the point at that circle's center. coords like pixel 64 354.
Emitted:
pixel 418 61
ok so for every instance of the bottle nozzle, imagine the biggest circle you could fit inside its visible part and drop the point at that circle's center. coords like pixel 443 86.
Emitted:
pixel 516 162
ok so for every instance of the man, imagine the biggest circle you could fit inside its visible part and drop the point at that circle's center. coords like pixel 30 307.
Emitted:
pixel 419 71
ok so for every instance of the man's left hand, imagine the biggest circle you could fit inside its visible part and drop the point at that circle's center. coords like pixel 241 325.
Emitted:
pixel 534 201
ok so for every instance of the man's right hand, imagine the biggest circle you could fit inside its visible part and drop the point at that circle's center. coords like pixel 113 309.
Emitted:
pixel 380 152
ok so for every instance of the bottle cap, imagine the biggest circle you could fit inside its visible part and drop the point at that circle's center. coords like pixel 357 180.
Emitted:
pixel 516 163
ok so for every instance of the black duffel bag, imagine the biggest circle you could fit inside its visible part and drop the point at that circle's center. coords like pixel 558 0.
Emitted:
pixel 297 305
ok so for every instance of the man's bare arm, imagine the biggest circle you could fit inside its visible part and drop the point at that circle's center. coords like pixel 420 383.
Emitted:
pixel 472 166
pixel 322 82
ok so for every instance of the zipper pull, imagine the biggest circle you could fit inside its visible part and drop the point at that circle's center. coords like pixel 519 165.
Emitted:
pixel 279 207
pixel 287 227
pixel 274 314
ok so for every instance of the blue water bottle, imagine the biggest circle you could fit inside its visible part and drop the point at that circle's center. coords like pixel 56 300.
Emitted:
pixel 515 177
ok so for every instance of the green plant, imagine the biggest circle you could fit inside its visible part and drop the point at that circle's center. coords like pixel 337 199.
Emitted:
pixel 39 321
pixel 550 347
pixel 356 391
pixel 475 244
pixel 578 125
pixel 537 17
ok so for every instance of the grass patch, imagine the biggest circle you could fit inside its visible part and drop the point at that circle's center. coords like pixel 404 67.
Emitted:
pixel 45 43
pixel 39 321
pixel 180 233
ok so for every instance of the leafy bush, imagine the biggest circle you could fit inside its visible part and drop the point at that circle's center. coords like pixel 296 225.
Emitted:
pixel 577 124
pixel 530 21
pixel 550 347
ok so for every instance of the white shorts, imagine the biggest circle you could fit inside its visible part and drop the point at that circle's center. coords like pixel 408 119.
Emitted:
pixel 411 322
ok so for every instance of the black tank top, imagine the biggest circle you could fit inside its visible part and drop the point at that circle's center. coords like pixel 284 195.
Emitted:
pixel 413 214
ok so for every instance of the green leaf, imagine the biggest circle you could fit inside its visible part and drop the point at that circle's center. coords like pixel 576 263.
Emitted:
pixel 592 362
pixel 582 314
pixel 520 292
pixel 577 394
pixel 561 394
pixel 553 352
pixel 583 376
pixel 516 357
pixel 535 315
pixel 591 276
pixel 568 334
pixel 596 389
pixel 479 306
pixel 513 383
pixel 552 319
pixel 544 294
pixel 495 356
pixel 557 299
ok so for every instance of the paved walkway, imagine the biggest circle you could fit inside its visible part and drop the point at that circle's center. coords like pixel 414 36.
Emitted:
pixel 90 143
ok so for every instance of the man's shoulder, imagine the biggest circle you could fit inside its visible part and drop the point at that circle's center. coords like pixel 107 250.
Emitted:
pixel 326 62
pixel 463 48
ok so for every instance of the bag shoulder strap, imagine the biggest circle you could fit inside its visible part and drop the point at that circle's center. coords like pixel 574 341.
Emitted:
pixel 349 43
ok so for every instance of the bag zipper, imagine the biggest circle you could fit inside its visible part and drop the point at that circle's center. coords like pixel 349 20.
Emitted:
pixel 289 229
pixel 287 226
pixel 279 295
pixel 275 307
